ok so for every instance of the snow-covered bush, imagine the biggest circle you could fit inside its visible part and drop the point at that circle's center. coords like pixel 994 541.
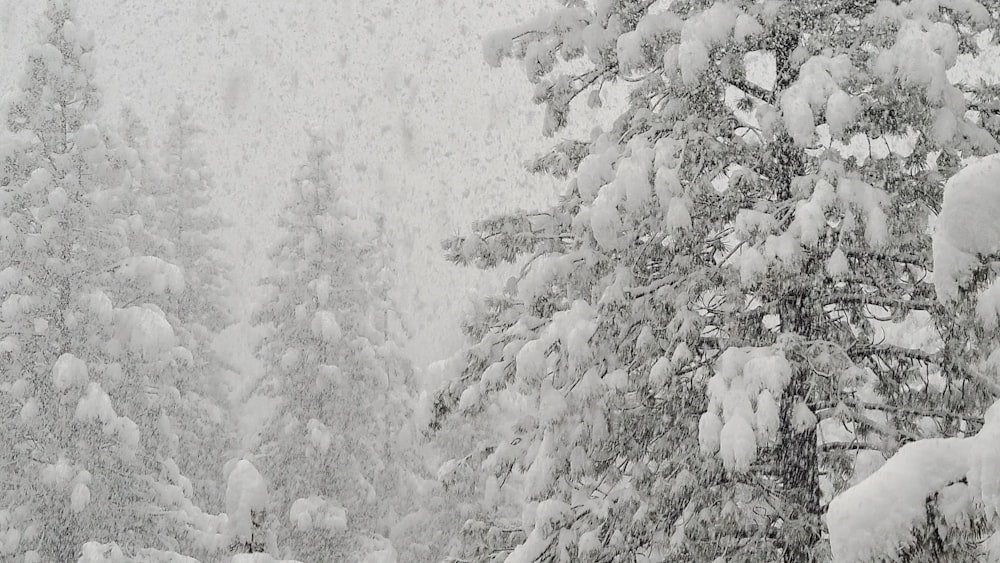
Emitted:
pixel 246 511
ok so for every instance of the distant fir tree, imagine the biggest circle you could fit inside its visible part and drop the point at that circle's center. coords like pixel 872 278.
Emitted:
pixel 181 208
pixel 88 355
pixel 189 222
pixel 337 451
pixel 729 309
pixel 170 196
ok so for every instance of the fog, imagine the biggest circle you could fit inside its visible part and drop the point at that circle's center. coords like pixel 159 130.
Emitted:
pixel 431 135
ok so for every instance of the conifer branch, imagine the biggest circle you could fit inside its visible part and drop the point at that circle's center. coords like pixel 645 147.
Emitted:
pixel 890 350
pixel 751 89
pixel 842 446
pixel 897 302
pixel 916 411
pixel 904 258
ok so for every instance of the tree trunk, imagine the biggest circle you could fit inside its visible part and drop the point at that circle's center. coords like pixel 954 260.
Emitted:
pixel 797 454
pixel 798 459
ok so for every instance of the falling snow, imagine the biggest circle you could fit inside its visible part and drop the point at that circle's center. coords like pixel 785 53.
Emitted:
pixel 601 280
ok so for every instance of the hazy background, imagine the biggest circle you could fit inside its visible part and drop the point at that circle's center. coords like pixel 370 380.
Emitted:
pixel 431 135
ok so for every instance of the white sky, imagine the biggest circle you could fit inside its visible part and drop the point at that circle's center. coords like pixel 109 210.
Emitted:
pixel 432 135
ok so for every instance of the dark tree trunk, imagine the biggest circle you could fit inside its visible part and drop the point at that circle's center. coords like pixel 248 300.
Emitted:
pixel 797 453
pixel 798 459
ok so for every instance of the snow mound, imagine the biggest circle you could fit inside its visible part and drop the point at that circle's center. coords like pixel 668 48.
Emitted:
pixel 743 413
pixel 967 227
pixel 319 435
pixel 94 552
pixel 69 371
pixel 153 275
pixel 99 305
pixel 325 327
pixel 318 513
pixel 145 331
pixel 57 474
pixel 95 405
pixel 817 85
pixel 737 444
pixel 660 373
pixel 384 555
pixel 79 498
pixel 605 221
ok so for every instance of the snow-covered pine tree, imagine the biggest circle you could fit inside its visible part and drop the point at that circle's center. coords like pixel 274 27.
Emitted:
pixel 197 416
pixel 381 253
pixel 188 221
pixel 728 313
pixel 181 212
pixel 335 448
pixel 245 537
pixel 85 348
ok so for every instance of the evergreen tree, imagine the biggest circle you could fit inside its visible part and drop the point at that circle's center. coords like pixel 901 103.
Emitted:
pixel 183 230
pixel 187 219
pixel 180 205
pixel 728 310
pixel 335 451
pixel 85 347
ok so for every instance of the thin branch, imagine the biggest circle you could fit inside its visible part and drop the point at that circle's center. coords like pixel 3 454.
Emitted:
pixel 752 89
pixel 910 304
pixel 914 259
pixel 635 292
pixel 889 350
pixel 865 405
pixel 846 446
pixel 985 381
pixel 731 253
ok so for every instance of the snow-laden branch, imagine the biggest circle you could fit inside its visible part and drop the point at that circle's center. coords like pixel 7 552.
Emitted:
pixel 897 351
pixel 957 478
pixel 878 516
pixel 883 301
pixel 822 407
